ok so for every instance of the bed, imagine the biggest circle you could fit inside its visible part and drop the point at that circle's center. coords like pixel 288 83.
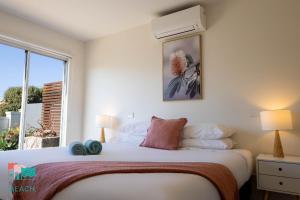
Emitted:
pixel 136 186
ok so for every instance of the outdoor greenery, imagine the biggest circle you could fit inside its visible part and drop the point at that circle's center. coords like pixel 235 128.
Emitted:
pixel 3 109
pixel 13 98
pixel 9 139
pixel 35 95
pixel 42 131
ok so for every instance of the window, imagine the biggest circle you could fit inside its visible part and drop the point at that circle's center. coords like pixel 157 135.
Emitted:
pixel 11 81
pixel 33 88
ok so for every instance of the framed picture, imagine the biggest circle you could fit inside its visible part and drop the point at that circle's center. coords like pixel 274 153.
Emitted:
pixel 182 69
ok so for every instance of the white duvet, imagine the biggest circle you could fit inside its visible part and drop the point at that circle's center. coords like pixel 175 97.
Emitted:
pixel 160 186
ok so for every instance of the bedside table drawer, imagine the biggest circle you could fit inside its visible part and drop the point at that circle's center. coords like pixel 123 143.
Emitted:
pixel 279 169
pixel 279 184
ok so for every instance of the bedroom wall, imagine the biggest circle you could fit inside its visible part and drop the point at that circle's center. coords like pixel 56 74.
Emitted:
pixel 251 62
pixel 21 29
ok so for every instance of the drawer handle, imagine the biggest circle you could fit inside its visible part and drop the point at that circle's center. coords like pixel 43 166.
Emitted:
pixel 280 169
pixel 280 183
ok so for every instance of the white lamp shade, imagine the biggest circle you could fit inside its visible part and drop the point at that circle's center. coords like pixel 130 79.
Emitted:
pixel 276 120
pixel 104 121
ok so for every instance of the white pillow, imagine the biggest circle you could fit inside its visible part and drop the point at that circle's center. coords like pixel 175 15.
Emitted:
pixel 127 138
pixel 132 133
pixel 135 128
pixel 207 131
pixel 226 143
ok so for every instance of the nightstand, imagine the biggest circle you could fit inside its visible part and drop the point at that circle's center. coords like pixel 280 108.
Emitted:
pixel 278 174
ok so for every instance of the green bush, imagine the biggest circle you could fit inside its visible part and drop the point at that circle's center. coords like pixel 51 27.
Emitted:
pixel 3 109
pixel 13 98
pixel 9 139
pixel 35 95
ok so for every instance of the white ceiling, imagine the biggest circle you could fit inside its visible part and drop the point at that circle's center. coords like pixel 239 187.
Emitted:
pixel 90 19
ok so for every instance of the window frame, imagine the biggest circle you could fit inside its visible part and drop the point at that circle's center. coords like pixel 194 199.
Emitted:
pixel 32 48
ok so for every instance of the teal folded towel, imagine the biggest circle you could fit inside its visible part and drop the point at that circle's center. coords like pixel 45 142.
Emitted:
pixel 93 147
pixel 77 148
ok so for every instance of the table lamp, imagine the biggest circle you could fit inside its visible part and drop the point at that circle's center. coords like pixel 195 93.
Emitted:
pixel 276 120
pixel 104 121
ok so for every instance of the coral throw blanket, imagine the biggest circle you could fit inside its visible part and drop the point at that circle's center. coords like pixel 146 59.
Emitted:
pixel 52 178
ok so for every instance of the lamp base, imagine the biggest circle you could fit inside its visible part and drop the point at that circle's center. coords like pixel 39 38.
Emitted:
pixel 102 139
pixel 277 151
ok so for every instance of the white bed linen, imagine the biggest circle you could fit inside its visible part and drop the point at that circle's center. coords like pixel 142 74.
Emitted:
pixel 226 143
pixel 135 186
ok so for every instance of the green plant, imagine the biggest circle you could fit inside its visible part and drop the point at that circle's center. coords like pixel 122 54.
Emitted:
pixel 13 98
pixel 35 95
pixel 43 131
pixel 9 139
pixel 3 109
pixel 30 131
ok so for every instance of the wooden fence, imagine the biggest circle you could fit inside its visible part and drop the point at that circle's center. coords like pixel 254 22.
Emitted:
pixel 52 96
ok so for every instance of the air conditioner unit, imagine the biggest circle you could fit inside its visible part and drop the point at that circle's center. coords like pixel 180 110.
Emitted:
pixel 190 20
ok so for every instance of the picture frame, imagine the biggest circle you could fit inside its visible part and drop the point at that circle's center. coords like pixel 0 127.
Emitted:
pixel 182 68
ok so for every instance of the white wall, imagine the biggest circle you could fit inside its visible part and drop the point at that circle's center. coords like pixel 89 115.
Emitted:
pixel 33 115
pixel 29 32
pixel 251 62
pixel 13 118
pixel 4 123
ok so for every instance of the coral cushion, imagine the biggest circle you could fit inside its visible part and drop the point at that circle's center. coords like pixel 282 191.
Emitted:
pixel 164 134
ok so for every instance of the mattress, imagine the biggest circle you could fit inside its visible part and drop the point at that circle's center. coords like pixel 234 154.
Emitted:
pixel 135 186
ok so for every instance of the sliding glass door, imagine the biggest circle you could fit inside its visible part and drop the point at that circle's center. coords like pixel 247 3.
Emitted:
pixel 44 102
pixel 41 89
